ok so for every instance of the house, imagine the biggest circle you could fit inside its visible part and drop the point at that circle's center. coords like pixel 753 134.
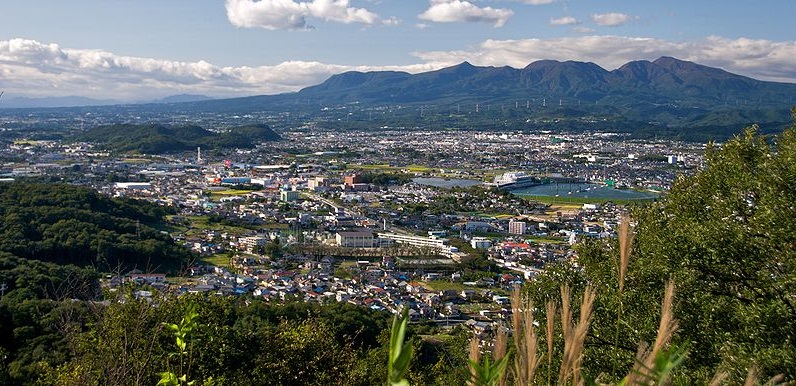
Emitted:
pixel 148 278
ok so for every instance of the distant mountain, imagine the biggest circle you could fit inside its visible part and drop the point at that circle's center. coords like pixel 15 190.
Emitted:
pixel 46 102
pixel 663 81
pixel 158 139
pixel 182 98
pixel 667 96
pixel 665 93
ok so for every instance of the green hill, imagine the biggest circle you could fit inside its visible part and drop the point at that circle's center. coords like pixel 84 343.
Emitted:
pixel 66 224
pixel 156 138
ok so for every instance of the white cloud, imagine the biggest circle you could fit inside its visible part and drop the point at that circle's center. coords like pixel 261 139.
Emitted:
pixel 612 19
pixel 583 30
pixel 292 15
pixel 34 69
pixel 566 20
pixel 450 11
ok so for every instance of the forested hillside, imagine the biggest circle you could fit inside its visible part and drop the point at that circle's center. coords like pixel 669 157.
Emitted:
pixel 156 139
pixel 66 224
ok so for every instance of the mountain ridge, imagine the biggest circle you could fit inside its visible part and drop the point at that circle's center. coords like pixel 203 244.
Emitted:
pixel 663 95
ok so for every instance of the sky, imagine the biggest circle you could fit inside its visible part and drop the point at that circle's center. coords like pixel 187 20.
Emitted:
pixel 136 50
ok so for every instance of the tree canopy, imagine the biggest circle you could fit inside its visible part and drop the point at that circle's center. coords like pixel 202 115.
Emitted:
pixel 67 224
pixel 727 237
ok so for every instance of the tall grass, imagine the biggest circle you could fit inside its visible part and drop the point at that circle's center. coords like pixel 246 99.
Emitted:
pixel 550 308
pixel 625 247
pixel 527 360
pixel 574 335
pixel 646 369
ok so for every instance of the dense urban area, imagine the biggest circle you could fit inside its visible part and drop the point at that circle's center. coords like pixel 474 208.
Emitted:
pixel 364 222
pixel 380 218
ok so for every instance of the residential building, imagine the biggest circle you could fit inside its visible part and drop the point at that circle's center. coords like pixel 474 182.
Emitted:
pixel 517 227
pixel 288 195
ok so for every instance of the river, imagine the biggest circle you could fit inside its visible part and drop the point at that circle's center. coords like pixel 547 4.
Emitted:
pixel 445 183
pixel 583 190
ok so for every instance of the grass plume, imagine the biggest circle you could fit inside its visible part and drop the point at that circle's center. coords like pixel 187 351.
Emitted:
pixel 499 350
pixel 475 355
pixel 646 356
pixel 625 245
pixel 550 308
pixel 525 340
pixel 574 335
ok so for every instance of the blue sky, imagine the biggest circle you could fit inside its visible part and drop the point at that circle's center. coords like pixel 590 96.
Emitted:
pixel 140 49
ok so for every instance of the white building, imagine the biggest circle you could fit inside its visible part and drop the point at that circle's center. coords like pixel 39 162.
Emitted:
pixel 288 195
pixel 517 227
pixel 418 241
pixel 133 185
pixel 355 239
pixel 251 242
pixel 481 243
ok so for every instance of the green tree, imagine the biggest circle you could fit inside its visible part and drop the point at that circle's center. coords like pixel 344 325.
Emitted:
pixel 727 237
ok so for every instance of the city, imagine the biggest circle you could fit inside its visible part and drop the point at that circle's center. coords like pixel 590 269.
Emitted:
pixel 377 218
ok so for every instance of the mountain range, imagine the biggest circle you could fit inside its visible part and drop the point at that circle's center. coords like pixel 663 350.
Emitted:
pixel 666 96
pixel 660 82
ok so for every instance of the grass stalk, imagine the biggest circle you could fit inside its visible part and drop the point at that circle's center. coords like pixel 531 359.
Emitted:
pixel 574 335
pixel 550 327
pixel 526 342
pixel 500 350
pixel 645 357
pixel 475 356
pixel 625 246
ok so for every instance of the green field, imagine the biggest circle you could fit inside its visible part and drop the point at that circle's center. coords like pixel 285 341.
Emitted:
pixel 230 192
pixel 378 167
pixel 220 260
pixel 443 285
pixel 574 201
pixel 135 160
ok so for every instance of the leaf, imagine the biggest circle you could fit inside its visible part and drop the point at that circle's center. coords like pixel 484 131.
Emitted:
pixel 168 379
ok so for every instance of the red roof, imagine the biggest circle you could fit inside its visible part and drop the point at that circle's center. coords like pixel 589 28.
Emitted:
pixel 513 245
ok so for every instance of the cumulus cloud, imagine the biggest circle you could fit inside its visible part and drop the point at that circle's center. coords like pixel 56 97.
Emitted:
pixel 32 68
pixel 35 69
pixel 292 15
pixel 566 20
pixel 613 19
pixel 450 11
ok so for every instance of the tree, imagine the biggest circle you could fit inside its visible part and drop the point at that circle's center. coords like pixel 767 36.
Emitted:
pixel 727 237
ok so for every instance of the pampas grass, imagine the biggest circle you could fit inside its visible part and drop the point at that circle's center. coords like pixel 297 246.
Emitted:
pixel 550 308
pixel 646 355
pixel 525 340
pixel 625 245
pixel 574 335
pixel 475 356
pixel 499 350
